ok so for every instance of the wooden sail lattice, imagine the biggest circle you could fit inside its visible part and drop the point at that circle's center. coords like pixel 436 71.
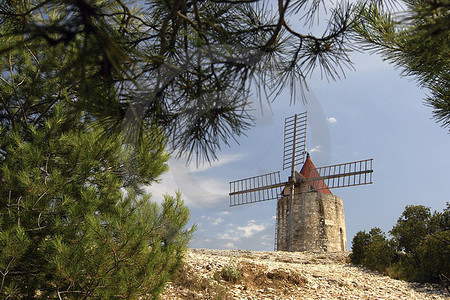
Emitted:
pixel 256 189
pixel 294 140
pixel 341 175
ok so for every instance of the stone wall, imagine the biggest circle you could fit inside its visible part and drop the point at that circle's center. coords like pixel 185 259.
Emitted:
pixel 318 222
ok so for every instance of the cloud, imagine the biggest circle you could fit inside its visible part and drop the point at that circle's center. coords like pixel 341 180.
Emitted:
pixel 217 221
pixel 226 236
pixel 332 120
pixel 229 245
pixel 225 212
pixel 221 160
pixel 251 229
pixel 197 188
pixel 317 148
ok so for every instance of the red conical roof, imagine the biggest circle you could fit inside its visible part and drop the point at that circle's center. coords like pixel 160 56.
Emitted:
pixel 308 171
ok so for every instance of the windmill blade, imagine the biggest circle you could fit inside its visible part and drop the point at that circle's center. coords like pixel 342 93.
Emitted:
pixel 294 140
pixel 342 175
pixel 256 189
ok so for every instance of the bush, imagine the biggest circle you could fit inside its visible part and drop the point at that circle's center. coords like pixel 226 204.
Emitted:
pixel 412 226
pixel 229 273
pixel 372 250
pixel 434 256
pixel 359 247
pixel 379 252
pixel 405 268
pixel 418 251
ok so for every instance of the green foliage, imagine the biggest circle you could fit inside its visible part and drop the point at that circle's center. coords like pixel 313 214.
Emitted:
pixel 434 256
pixel 406 267
pixel 360 243
pixel 68 230
pixel 373 250
pixel 418 251
pixel 416 40
pixel 229 273
pixel 75 222
pixel 411 227
pixel 440 221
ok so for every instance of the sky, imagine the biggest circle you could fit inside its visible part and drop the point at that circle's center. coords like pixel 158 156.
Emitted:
pixel 372 113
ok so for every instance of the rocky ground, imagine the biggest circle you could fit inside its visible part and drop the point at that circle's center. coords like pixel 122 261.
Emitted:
pixel 238 274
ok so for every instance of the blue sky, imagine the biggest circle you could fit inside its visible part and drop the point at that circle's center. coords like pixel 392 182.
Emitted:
pixel 373 113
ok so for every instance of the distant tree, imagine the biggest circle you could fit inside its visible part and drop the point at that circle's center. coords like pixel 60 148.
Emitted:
pixel 412 227
pixel 360 242
pixel 372 250
pixel 433 255
pixel 414 35
pixel 440 221
pixel 418 251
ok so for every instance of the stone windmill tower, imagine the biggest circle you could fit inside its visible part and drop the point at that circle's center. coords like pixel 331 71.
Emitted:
pixel 309 217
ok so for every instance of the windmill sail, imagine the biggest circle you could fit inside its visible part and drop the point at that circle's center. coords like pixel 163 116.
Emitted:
pixel 255 189
pixel 342 175
pixel 294 140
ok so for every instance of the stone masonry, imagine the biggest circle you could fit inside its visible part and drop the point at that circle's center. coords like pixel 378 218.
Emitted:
pixel 318 222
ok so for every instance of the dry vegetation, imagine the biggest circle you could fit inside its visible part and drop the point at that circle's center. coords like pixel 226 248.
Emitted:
pixel 237 274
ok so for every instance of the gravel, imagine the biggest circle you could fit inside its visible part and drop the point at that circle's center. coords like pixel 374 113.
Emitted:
pixel 288 275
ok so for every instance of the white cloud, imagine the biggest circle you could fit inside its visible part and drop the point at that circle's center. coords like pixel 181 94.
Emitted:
pixel 317 148
pixel 332 120
pixel 226 236
pixel 251 229
pixel 200 190
pixel 217 221
pixel 221 160
pixel 225 212
pixel 229 245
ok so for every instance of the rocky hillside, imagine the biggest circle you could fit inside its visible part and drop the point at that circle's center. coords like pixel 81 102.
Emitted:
pixel 238 274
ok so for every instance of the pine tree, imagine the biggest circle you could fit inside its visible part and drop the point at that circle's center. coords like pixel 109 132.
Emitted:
pixel 186 66
pixel 74 221
pixel 68 230
pixel 413 35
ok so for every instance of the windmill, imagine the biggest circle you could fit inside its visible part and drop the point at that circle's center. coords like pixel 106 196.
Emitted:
pixel 309 217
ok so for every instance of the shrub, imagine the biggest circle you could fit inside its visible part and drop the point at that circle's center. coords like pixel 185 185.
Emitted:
pixel 229 273
pixel 418 251
pixel 434 256
pixel 379 253
pixel 405 268
pixel 412 226
pixel 359 245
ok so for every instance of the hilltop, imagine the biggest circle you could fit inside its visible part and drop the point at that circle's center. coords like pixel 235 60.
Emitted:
pixel 239 274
